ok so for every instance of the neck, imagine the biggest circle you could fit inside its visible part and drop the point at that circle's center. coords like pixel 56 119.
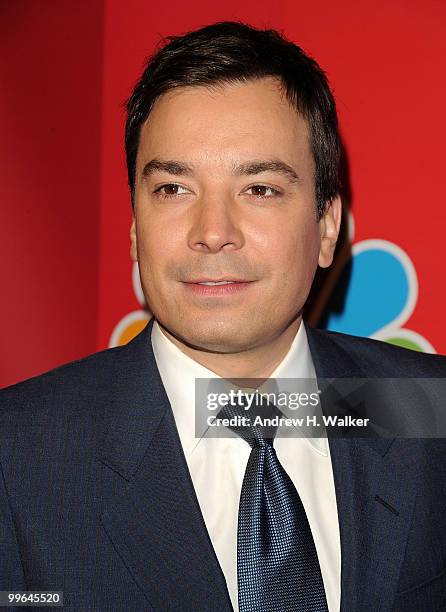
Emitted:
pixel 258 362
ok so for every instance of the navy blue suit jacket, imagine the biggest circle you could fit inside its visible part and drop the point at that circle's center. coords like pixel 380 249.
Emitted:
pixel 96 499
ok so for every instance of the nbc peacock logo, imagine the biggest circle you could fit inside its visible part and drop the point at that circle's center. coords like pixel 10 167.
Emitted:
pixel 382 293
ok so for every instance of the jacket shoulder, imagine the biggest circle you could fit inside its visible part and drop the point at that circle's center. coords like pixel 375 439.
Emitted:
pixel 385 359
pixel 57 417
pixel 86 377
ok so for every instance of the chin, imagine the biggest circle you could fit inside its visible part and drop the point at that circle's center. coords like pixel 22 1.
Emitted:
pixel 217 337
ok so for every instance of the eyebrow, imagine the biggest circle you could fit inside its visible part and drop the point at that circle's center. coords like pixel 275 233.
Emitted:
pixel 250 168
pixel 169 166
pixel 268 165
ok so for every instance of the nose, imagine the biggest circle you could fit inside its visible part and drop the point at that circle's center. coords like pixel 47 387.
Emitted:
pixel 215 226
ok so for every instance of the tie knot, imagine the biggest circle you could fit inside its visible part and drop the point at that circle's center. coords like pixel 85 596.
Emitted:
pixel 254 421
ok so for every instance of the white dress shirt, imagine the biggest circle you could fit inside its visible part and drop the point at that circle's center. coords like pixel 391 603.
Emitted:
pixel 217 465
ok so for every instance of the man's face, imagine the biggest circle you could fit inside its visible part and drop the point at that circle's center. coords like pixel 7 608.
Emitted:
pixel 224 191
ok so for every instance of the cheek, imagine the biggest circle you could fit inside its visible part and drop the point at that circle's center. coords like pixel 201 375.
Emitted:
pixel 291 254
pixel 157 245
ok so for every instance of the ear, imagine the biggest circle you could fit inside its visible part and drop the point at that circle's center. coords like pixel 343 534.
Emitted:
pixel 329 225
pixel 133 242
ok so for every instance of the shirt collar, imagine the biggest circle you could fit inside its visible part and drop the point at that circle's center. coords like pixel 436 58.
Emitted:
pixel 178 373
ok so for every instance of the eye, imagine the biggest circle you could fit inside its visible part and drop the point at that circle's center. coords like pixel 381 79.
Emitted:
pixel 263 191
pixel 171 190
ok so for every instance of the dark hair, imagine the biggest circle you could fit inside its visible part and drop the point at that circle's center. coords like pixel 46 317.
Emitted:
pixel 234 52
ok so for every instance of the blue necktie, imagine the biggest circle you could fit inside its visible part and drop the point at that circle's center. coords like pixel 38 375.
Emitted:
pixel 277 564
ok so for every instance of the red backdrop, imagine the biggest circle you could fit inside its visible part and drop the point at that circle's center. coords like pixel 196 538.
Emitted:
pixel 50 110
pixel 65 267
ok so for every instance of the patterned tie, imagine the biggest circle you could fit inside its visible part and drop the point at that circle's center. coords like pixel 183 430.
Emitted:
pixel 277 564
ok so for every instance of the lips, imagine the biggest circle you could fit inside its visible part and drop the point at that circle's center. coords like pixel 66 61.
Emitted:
pixel 214 284
pixel 216 287
pixel 216 281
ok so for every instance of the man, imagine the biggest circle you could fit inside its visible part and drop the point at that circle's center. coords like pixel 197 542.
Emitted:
pixel 106 493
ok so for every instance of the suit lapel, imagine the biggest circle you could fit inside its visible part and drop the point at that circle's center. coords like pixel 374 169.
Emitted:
pixel 152 515
pixel 375 497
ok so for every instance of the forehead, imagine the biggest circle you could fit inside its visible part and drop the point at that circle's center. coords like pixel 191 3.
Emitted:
pixel 237 120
